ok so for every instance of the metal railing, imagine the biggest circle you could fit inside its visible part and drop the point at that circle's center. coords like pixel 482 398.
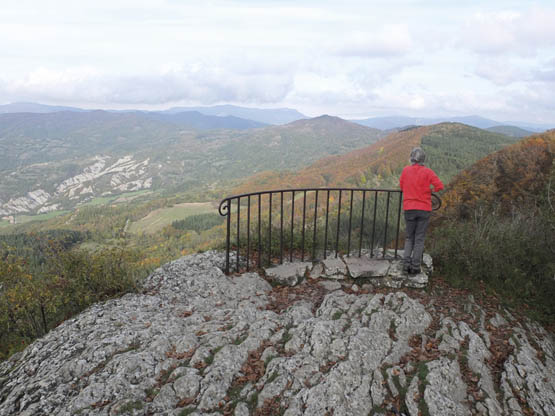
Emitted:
pixel 372 215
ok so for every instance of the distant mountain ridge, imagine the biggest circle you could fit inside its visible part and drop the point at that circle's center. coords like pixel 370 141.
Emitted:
pixel 394 122
pixel 58 160
pixel 511 131
pixel 280 116
pixel 266 116
pixel 200 121
pixel 23 107
pixel 325 124
pixel 450 148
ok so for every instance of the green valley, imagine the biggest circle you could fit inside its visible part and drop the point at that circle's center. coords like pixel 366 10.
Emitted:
pixel 66 161
pixel 131 210
pixel 161 217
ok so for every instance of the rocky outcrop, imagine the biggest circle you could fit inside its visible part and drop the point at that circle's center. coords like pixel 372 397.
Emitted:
pixel 198 342
pixel 31 201
pixel 379 270
pixel 124 175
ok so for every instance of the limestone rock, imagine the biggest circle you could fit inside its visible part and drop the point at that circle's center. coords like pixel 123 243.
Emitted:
pixel 365 267
pixel 317 271
pixel 446 392
pixel 288 274
pixel 396 270
pixel 334 268
pixel 330 284
pixel 418 281
pixel 384 271
pixel 199 342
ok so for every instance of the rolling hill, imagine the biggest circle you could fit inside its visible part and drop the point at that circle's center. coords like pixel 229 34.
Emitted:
pixel 31 138
pixel 23 107
pixel 496 229
pixel 394 122
pixel 450 148
pixel 59 160
pixel 28 138
pixel 511 131
pixel 262 115
pixel 200 121
pixel 516 175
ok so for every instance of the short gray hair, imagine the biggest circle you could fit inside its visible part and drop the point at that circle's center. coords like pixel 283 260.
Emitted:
pixel 417 156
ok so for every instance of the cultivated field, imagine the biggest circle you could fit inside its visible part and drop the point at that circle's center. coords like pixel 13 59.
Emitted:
pixel 158 219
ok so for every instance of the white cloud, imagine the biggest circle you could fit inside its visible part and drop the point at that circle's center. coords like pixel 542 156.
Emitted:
pixel 387 41
pixel 509 32
pixel 195 83
pixel 500 71
pixel 327 90
pixel 546 74
pixel 396 56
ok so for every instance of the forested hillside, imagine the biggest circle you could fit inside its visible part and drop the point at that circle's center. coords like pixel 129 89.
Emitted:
pixel 450 147
pixel 56 161
pixel 497 226
pixel 505 180
pixel 511 131
pixel 45 279
pixel 126 236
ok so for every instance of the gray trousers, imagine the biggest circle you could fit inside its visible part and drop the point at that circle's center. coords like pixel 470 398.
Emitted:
pixel 416 225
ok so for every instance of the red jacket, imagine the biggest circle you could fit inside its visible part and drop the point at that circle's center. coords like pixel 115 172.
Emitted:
pixel 415 183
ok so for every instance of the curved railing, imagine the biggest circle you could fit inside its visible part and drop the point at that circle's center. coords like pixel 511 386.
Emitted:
pixel 309 212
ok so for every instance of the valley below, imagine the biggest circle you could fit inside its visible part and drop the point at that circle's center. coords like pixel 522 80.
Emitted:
pixel 113 300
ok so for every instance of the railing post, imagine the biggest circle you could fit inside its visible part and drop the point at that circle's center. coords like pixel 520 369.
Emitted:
pixel 270 232
pixel 362 223
pixel 386 224
pixel 338 225
pixel 304 217
pixel 398 223
pixel 350 225
pixel 238 232
pixel 292 222
pixel 332 207
pixel 326 232
pixel 248 229
pixel 259 231
pixel 228 236
pixel 281 229
pixel 314 234
pixel 374 224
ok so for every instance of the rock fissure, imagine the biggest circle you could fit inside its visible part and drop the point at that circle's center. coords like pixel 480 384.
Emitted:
pixel 198 342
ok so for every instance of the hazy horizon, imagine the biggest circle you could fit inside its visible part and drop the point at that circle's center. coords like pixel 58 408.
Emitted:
pixel 356 60
pixel 524 123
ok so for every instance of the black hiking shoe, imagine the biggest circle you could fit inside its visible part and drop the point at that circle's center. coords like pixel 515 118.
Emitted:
pixel 414 270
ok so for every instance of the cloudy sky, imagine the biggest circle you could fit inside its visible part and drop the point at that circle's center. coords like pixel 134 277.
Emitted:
pixel 352 58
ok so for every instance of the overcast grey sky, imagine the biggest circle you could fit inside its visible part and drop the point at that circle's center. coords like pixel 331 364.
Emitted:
pixel 350 58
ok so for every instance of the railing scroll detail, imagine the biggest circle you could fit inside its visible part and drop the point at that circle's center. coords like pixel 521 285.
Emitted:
pixel 302 214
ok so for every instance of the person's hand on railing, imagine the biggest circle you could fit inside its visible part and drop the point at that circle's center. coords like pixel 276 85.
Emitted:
pixel 436 202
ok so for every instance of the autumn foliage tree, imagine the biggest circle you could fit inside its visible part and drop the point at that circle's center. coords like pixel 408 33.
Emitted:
pixel 498 226
pixel 510 178
pixel 35 298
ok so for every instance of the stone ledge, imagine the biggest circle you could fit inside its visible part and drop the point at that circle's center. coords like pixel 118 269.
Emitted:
pixel 379 271
pixel 365 267
pixel 288 274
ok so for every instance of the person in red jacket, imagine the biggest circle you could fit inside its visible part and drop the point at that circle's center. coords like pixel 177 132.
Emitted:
pixel 416 181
